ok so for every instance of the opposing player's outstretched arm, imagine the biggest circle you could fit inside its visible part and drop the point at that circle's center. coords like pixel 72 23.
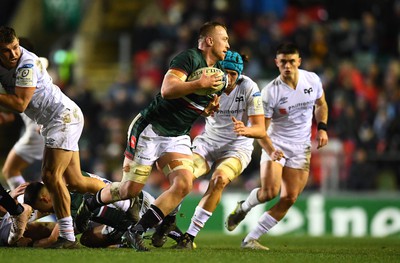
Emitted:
pixel 321 116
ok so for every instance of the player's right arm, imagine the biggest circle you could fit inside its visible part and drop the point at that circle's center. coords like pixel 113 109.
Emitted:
pixel 45 242
pixel 18 101
pixel 266 143
pixel 174 84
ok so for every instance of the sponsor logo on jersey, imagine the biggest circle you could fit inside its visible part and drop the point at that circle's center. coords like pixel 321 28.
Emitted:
pixel 308 91
pixel 257 94
pixel 143 157
pixel 283 111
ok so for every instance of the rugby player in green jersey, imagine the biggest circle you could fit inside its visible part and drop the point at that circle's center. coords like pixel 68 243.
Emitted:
pixel 159 135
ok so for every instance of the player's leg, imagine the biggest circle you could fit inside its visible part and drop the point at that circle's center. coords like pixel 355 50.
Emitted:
pixel 226 171
pixel 101 236
pixel 134 178
pixel 134 174
pixel 77 182
pixel 162 231
pixel 293 183
pixel 55 163
pixel 179 169
pixel 201 167
pixel 13 168
pixel 270 175
pixel 294 179
pixel 26 150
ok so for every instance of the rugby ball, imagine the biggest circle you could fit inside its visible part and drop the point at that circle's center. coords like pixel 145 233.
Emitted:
pixel 209 71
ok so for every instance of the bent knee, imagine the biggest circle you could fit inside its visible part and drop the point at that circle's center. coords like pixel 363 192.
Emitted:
pixel 220 181
pixel 182 187
pixel 288 200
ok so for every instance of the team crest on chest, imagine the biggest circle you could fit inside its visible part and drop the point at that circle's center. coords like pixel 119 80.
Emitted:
pixel 239 99
pixel 308 91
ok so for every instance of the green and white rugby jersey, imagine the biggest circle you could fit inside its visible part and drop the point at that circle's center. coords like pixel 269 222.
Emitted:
pixel 175 117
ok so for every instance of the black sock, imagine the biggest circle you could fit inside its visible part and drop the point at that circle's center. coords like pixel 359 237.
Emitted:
pixel 112 217
pixel 151 218
pixel 9 203
pixel 94 202
pixel 169 219
pixel 190 236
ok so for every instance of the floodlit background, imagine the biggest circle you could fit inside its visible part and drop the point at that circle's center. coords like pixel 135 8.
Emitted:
pixel 110 57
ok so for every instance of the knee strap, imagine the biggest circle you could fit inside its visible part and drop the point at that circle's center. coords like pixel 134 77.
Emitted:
pixel 232 167
pixel 179 164
pixel 200 165
pixel 137 173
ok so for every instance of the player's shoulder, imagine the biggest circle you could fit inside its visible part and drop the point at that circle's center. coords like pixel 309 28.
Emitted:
pixel 271 88
pixel 273 84
pixel 248 85
pixel 309 75
pixel 27 59
pixel 246 81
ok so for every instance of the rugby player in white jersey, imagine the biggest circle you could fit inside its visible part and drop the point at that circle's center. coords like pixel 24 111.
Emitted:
pixel 289 103
pixel 30 90
pixel 227 141
pixel 28 148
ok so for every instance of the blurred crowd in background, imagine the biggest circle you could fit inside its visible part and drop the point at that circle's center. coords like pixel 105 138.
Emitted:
pixel 354 46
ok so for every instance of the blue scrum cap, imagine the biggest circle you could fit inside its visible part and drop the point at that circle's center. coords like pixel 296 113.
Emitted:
pixel 233 61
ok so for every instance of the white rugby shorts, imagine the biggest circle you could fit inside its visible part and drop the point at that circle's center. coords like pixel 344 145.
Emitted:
pixel 30 146
pixel 298 156
pixel 213 151
pixel 64 132
pixel 151 146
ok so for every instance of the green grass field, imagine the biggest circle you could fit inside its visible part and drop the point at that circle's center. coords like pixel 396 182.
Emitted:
pixel 222 248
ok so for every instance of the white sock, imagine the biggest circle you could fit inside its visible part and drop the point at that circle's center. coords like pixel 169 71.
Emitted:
pixel 66 228
pixel 265 223
pixel 124 205
pixel 199 219
pixel 14 181
pixel 251 201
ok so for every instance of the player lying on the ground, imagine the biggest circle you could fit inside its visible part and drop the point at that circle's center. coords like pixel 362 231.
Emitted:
pixel 20 232
pixel 108 223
